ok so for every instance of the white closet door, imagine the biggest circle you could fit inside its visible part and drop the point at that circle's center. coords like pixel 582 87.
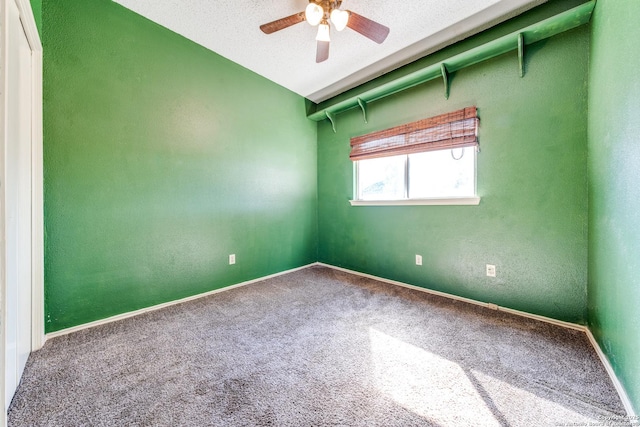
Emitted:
pixel 18 202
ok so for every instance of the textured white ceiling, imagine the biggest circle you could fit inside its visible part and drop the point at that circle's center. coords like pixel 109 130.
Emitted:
pixel 287 57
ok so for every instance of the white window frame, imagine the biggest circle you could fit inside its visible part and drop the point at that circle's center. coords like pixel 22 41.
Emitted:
pixel 406 201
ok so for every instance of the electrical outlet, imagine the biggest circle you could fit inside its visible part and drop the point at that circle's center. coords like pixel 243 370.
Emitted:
pixel 491 270
pixel 232 259
pixel 418 259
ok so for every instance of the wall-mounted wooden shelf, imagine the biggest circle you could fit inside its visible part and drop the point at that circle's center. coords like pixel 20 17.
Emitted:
pixel 517 40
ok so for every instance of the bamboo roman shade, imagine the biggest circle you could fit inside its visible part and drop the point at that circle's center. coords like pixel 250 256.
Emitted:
pixel 451 130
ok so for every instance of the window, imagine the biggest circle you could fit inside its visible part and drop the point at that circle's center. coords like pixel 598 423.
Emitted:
pixel 431 161
pixel 433 174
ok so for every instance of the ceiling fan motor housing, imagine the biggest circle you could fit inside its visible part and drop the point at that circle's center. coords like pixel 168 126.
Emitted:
pixel 327 6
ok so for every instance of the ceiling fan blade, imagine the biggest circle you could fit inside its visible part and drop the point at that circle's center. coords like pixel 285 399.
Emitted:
pixel 280 24
pixel 322 51
pixel 368 28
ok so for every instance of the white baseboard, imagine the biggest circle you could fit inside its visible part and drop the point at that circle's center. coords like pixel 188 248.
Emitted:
pixel 458 298
pixel 614 379
pixel 603 358
pixel 166 304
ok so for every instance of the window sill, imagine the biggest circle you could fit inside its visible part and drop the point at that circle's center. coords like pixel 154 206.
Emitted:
pixel 418 202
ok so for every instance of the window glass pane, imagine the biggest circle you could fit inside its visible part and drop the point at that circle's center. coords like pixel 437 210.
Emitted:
pixel 381 179
pixel 438 174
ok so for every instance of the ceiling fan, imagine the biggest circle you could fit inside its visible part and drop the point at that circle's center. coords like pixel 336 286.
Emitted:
pixel 320 13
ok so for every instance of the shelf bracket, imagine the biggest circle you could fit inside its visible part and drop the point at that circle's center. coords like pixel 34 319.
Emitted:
pixel 332 119
pixel 445 78
pixel 363 106
pixel 521 53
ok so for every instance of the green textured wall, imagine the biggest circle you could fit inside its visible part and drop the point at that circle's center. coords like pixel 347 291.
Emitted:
pixel 161 159
pixel 532 177
pixel 36 7
pixel 614 191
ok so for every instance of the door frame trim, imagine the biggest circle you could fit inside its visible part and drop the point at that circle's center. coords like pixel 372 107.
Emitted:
pixel 37 194
pixel 37 178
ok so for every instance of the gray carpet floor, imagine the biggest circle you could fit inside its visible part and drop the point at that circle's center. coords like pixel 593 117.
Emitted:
pixel 317 347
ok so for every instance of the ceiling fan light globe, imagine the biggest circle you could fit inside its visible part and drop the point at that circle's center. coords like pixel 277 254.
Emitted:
pixel 313 14
pixel 323 33
pixel 339 18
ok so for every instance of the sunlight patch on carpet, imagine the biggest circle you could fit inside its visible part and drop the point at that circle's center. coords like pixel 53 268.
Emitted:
pixel 426 384
pixel 530 403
